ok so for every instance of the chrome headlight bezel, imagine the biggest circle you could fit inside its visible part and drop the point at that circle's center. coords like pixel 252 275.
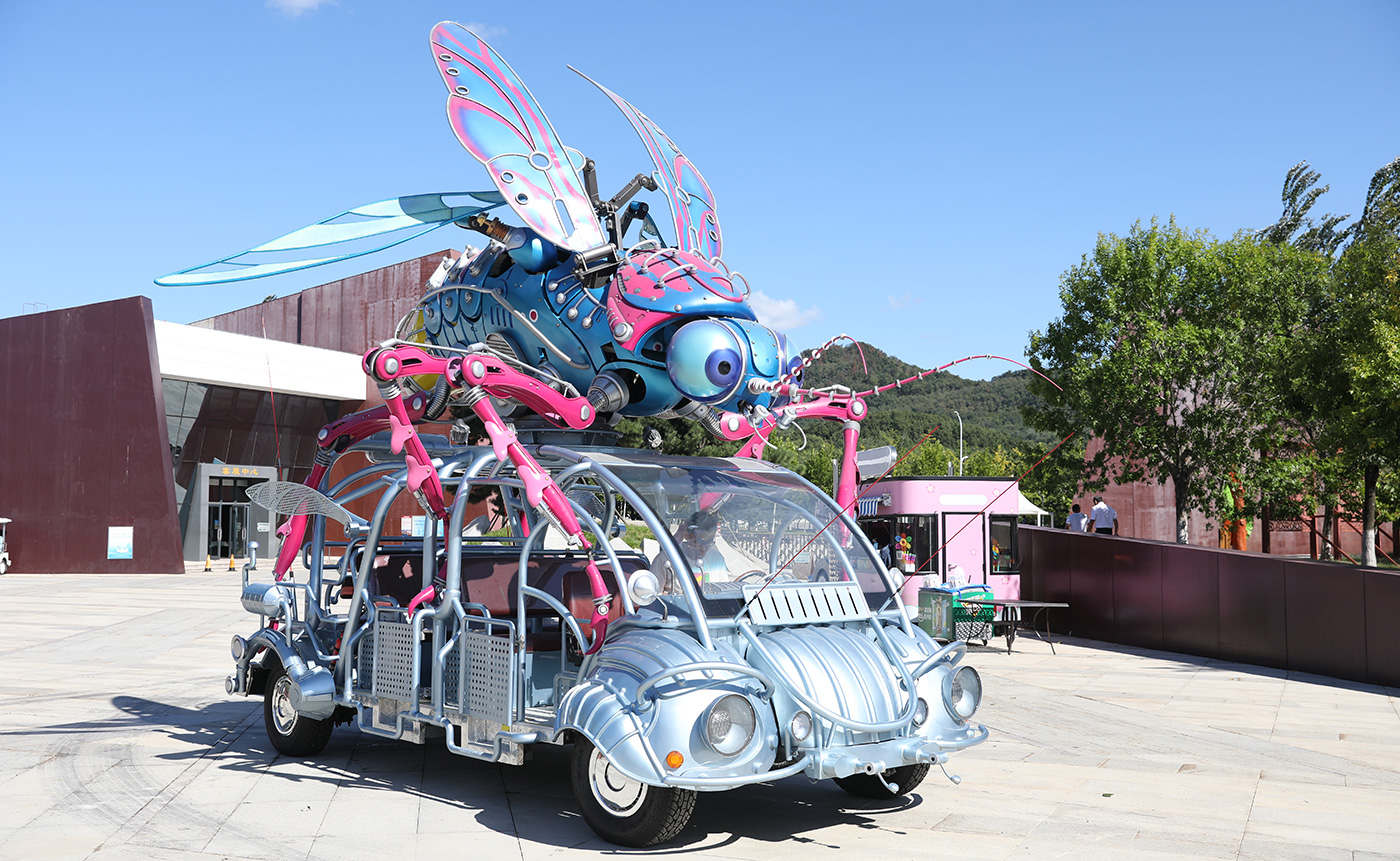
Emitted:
pixel 962 692
pixel 800 727
pixel 728 725
pixel 920 713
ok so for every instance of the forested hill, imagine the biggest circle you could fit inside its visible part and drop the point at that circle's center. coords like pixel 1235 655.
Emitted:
pixel 990 409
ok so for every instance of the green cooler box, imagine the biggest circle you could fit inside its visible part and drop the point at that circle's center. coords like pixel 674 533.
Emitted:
pixel 936 613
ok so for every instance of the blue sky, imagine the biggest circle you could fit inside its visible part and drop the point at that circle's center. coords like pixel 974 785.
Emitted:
pixel 917 175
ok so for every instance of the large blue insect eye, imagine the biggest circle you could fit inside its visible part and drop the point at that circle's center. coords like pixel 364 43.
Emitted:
pixel 706 361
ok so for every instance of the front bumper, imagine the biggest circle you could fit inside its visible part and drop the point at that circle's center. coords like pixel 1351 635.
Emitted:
pixel 875 757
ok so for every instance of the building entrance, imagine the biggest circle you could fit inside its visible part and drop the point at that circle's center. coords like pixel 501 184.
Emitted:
pixel 228 529
pixel 230 521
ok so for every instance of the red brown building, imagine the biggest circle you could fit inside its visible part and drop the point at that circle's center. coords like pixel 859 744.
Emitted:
pixel 1148 510
pixel 141 466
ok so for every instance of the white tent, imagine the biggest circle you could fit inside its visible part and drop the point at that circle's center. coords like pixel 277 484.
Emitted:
pixel 1026 507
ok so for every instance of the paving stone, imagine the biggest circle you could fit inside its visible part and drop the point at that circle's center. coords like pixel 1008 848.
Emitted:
pixel 116 742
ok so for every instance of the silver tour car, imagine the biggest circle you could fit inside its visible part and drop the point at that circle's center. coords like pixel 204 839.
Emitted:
pixel 754 634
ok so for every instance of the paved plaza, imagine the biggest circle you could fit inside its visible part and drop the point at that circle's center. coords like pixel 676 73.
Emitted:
pixel 118 742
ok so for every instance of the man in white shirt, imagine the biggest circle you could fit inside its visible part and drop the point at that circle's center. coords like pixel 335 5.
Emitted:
pixel 1105 519
pixel 1078 521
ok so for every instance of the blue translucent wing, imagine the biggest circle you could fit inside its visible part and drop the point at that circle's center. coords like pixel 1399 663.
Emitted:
pixel 501 125
pixel 353 233
pixel 692 203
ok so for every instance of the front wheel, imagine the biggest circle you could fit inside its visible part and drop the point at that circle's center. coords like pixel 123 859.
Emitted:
pixel 291 733
pixel 905 778
pixel 622 810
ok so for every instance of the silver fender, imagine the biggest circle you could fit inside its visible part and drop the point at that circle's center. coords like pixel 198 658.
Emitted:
pixel 636 735
pixel 312 686
pixel 943 728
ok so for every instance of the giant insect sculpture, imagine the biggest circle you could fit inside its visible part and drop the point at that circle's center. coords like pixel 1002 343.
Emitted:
pixel 560 317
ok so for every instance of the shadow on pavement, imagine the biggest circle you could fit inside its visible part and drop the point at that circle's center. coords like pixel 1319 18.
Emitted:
pixel 533 801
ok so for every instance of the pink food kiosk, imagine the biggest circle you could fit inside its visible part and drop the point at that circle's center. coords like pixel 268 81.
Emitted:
pixel 947 530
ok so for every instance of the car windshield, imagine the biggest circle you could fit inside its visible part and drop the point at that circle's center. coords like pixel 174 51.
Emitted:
pixel 737 525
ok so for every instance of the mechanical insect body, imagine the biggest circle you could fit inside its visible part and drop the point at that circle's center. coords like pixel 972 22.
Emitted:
pixel 641 329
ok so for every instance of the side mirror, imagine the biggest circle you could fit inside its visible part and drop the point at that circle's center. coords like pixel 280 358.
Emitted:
pixel 898 577
pixel 643 587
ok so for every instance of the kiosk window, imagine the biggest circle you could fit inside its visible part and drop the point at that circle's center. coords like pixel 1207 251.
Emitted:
pixel 1005 557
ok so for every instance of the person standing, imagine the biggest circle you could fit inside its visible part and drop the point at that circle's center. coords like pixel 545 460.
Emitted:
pixel 1105 519
pixel 1078 521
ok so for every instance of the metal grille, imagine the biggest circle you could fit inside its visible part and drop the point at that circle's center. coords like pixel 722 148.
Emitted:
pixel 452 678
pixel 975 630
pixel 485 676
pixel 799 603
pixel 393 660
pixel 364 661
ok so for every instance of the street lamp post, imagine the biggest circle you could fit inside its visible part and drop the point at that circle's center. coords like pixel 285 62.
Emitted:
pixel 960 444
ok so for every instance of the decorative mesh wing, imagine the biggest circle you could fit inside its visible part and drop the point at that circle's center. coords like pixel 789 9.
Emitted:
pixel 290 498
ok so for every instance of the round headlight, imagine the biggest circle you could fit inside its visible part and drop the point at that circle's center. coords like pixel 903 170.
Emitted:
pixel 729 725
pixel 921 712
pixel 801 726
pixel 238 647
pixel 963 692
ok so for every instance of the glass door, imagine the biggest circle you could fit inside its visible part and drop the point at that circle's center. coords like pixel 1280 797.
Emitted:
pixel 237 516
pixel 217 545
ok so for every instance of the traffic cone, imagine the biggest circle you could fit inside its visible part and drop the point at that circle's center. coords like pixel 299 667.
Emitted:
pixel 230 563
pixel 208 564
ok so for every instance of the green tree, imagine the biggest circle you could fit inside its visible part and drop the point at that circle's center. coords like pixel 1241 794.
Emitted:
pixel 1295 227
pixel 1157 353
pixel 1368 357
pixel 1054 483
pixel 1341 375
pixel 1305 470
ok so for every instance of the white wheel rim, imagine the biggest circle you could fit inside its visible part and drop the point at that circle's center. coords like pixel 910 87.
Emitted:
pixel 615 792
pixel 284 717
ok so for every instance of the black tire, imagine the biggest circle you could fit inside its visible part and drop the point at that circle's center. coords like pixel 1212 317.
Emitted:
pixel 291 733
pixel 621 810
pixel 905 778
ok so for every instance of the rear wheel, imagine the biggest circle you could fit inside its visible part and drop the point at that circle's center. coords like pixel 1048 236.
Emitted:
pixel 622 810
pixel 291 733
pixel 905 779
